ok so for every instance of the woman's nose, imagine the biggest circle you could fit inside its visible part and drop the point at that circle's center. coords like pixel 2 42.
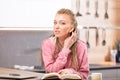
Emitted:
pixel 56 26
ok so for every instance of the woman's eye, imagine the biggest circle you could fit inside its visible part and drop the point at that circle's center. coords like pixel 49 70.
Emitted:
pixel 62 23
pixel 55 23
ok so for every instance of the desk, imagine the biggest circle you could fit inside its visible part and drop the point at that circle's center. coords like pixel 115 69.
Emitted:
pixel 14 71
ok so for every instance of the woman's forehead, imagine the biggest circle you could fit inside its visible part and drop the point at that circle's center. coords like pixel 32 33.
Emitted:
pixel 63 17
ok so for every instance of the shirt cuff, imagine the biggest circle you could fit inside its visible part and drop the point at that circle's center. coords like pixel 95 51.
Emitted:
pixel 66 51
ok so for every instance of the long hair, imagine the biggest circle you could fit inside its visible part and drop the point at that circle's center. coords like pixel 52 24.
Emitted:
pixel 74 46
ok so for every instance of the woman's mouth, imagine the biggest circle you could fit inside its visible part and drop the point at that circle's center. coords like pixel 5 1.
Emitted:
pixel 57 32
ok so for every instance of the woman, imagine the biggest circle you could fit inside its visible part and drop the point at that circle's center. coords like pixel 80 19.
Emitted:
pixel 63 52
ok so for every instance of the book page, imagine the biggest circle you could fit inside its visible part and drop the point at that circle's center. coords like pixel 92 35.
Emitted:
pixel 51 76
pixel 70 76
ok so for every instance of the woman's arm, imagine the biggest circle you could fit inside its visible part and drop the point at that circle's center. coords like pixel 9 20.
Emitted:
pixel 83 70
pixel 47 53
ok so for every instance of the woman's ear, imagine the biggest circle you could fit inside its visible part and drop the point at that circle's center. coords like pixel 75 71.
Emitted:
pixel 72 29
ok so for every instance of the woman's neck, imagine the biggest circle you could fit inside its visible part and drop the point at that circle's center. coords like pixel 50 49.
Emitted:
pixel 61 41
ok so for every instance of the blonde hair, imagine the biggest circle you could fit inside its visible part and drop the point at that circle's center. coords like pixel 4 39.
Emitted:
pixel 71 14
pixel 74 46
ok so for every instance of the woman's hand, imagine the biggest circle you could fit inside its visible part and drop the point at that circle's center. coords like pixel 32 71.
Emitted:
pixel 70 40
pixel 65 71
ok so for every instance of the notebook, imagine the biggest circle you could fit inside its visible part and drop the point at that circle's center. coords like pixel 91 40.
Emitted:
pixel 16 76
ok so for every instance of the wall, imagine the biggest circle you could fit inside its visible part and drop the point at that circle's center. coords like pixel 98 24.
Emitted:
pixel 21 47
pixel 101 7
pixel 30 13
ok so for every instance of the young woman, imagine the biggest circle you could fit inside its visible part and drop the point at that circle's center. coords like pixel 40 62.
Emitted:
pixel 63 52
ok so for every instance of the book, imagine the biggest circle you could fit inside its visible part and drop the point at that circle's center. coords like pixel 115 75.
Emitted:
pixel 60 77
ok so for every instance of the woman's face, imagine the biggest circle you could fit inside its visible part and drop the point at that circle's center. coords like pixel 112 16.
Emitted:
pixel 62 26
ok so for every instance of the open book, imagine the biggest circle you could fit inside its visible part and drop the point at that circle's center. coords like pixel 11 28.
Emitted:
pixel 58 76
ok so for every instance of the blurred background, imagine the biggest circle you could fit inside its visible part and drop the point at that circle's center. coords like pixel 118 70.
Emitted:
pixel 25 23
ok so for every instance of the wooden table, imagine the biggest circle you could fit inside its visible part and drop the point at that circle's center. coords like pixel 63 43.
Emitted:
pixel 22 72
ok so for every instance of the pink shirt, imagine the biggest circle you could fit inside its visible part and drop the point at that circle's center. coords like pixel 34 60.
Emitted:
pixel 64 61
